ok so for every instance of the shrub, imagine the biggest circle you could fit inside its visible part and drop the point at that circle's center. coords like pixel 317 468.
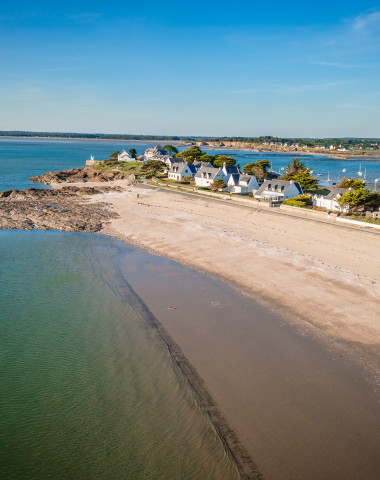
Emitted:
pixel 300 201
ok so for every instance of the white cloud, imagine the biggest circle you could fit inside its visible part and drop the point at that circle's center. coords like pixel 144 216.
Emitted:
pixel 365 21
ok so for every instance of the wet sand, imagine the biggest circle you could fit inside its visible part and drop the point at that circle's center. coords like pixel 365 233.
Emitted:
pixel 288 405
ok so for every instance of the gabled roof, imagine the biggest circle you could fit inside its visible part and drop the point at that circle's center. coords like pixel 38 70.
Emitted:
pixel 237 178
pixel 275 185
pixel 231 170
pixel 234 178
pixel 199 165
pixel 179 167
pixel 212 170
pixel 246 178
pixel 335 192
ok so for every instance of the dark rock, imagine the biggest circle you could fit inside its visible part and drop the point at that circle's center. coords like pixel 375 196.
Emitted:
pixel 44 209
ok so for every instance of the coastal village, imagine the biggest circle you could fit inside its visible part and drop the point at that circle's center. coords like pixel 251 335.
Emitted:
pixel 219 174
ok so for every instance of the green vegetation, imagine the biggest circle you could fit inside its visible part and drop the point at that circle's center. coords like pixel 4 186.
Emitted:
pixel 300 201
pixel 218 185
pixel 221 159
pixel 126 168
pixel 298 172
pixel 152 168
pixel 195 154
pixel 354 183
pixel 132 152
pixel 190 155
pixel 359 199
pixel 171 149
pixel 115 154
pixel 259 169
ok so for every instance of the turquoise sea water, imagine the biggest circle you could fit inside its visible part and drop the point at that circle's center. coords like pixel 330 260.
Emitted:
pixel 88 389
pixel 22 158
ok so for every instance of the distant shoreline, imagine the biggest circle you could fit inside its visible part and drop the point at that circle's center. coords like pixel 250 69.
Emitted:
pixel 254 148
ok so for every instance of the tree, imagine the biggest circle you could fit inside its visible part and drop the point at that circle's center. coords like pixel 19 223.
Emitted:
pixel 115 154
pixel 133 152
pixel 152 167
pixel 354 183
pixel 359 199
pixel 187 178
pixel 298 172
pixel 191 154
pixel 221 159
pixel 171 149
pixel 218 184
pixel 259 169
pixel 205 157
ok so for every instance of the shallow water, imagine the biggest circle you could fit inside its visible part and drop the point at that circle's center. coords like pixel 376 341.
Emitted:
pixel 88 388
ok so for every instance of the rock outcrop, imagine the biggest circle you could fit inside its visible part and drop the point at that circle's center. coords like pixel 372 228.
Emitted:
pixel 65 209
pixel 86 174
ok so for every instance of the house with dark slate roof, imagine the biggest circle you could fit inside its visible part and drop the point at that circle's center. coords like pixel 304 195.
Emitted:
pixel 240 183
pixel 205 176
pixel 278 190
pixel 179 170
pixel 329 201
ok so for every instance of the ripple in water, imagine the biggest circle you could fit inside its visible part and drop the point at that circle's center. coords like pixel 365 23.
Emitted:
pixel 88 388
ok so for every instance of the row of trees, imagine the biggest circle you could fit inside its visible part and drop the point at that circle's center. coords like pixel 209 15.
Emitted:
pixel 296 171
pixel 195 154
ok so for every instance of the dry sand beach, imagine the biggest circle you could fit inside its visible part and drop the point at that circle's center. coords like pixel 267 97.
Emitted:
pixel 292 372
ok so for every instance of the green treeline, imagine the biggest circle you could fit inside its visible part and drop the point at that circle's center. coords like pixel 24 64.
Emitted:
pixel 373 143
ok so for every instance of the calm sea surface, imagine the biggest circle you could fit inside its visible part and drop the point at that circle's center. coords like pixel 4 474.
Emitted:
pixel 22 158
pixel 88 389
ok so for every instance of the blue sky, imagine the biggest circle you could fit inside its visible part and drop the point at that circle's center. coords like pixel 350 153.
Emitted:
pixel 192 68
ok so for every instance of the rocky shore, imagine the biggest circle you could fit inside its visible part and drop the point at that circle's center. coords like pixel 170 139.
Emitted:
pixel 66 209
pixel 86 174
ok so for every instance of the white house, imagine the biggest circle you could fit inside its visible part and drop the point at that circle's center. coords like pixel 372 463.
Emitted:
pixel 227 170
pixel 239 183
pixel 124 156
pixel 179 170
pixel 155 153
pixel 278 190
pixel 329 202
pixel 170 161
pixel 207 175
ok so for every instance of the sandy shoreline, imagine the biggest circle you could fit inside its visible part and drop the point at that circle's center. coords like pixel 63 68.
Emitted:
pixel 327 276
pixel 314 281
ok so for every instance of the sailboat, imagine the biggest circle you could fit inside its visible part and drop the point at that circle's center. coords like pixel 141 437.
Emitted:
pixel 328 177
pixel 360 173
